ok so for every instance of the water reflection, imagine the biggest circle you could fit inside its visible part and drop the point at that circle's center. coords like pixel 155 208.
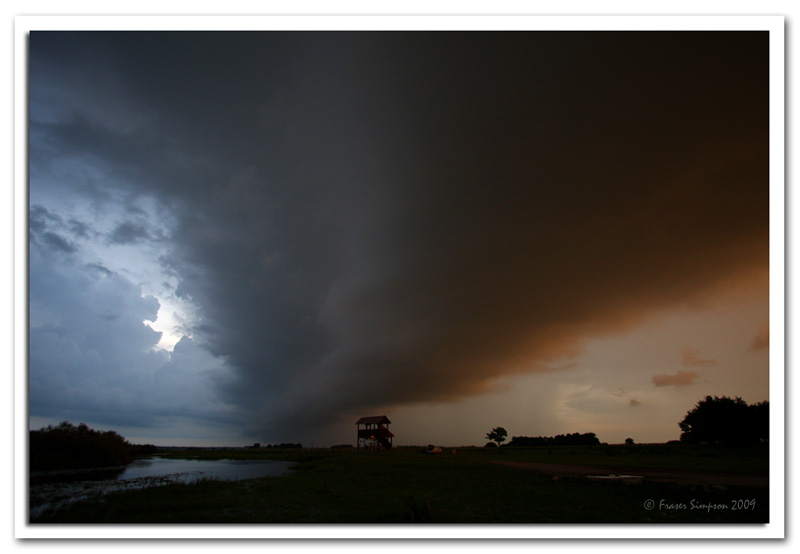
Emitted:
pixel 217 469
pixel 54 490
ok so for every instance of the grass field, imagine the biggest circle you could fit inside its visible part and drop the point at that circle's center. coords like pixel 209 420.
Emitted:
pixel 406 486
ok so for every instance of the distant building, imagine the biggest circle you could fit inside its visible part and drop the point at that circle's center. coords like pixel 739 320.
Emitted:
pixel 373 433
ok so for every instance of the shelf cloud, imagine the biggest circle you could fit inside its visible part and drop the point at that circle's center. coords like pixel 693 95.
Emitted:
pixel 369 220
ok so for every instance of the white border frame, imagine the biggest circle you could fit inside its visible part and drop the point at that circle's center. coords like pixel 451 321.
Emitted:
pixel 773 24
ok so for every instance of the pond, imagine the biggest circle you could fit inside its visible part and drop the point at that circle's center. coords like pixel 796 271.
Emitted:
pixel 55 490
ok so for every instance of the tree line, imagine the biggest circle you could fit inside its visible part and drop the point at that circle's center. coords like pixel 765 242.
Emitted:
pixel 714 420
pixel 281 445
pixel 67 446
pixel 572 439
pixel 499 434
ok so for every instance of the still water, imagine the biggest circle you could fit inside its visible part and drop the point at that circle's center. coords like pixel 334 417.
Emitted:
pixel 54 491
pixel 191 470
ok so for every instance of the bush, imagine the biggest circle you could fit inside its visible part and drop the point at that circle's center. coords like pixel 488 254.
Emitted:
pixel 69 447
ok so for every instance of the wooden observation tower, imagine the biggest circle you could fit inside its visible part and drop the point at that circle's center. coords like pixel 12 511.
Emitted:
pixel 373 433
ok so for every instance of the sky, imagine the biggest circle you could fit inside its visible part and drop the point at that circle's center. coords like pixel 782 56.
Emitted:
pixel 263 236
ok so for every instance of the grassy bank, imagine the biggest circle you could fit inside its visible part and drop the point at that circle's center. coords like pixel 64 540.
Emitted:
pixel 405 486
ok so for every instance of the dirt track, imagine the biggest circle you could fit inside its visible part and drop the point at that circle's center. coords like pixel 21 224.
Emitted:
pixel 665 475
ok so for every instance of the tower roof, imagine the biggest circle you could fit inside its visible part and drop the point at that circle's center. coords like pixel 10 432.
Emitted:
pixel 380 419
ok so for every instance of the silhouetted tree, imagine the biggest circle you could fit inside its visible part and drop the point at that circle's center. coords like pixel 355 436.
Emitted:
pixel 629 441
pixel 498 435
pixel 758 427
pixel 726 420
pixel 66 446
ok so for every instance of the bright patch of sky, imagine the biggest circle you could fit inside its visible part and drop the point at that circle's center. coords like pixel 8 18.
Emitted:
pixel 128 235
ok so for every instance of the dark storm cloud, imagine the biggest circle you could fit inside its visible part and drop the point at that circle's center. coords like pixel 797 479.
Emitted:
pixel 41 219
pixel 373 219
pixel 80 229
pixel 128 232
pixel 100 268
pixel 58 242
pixel 44 226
